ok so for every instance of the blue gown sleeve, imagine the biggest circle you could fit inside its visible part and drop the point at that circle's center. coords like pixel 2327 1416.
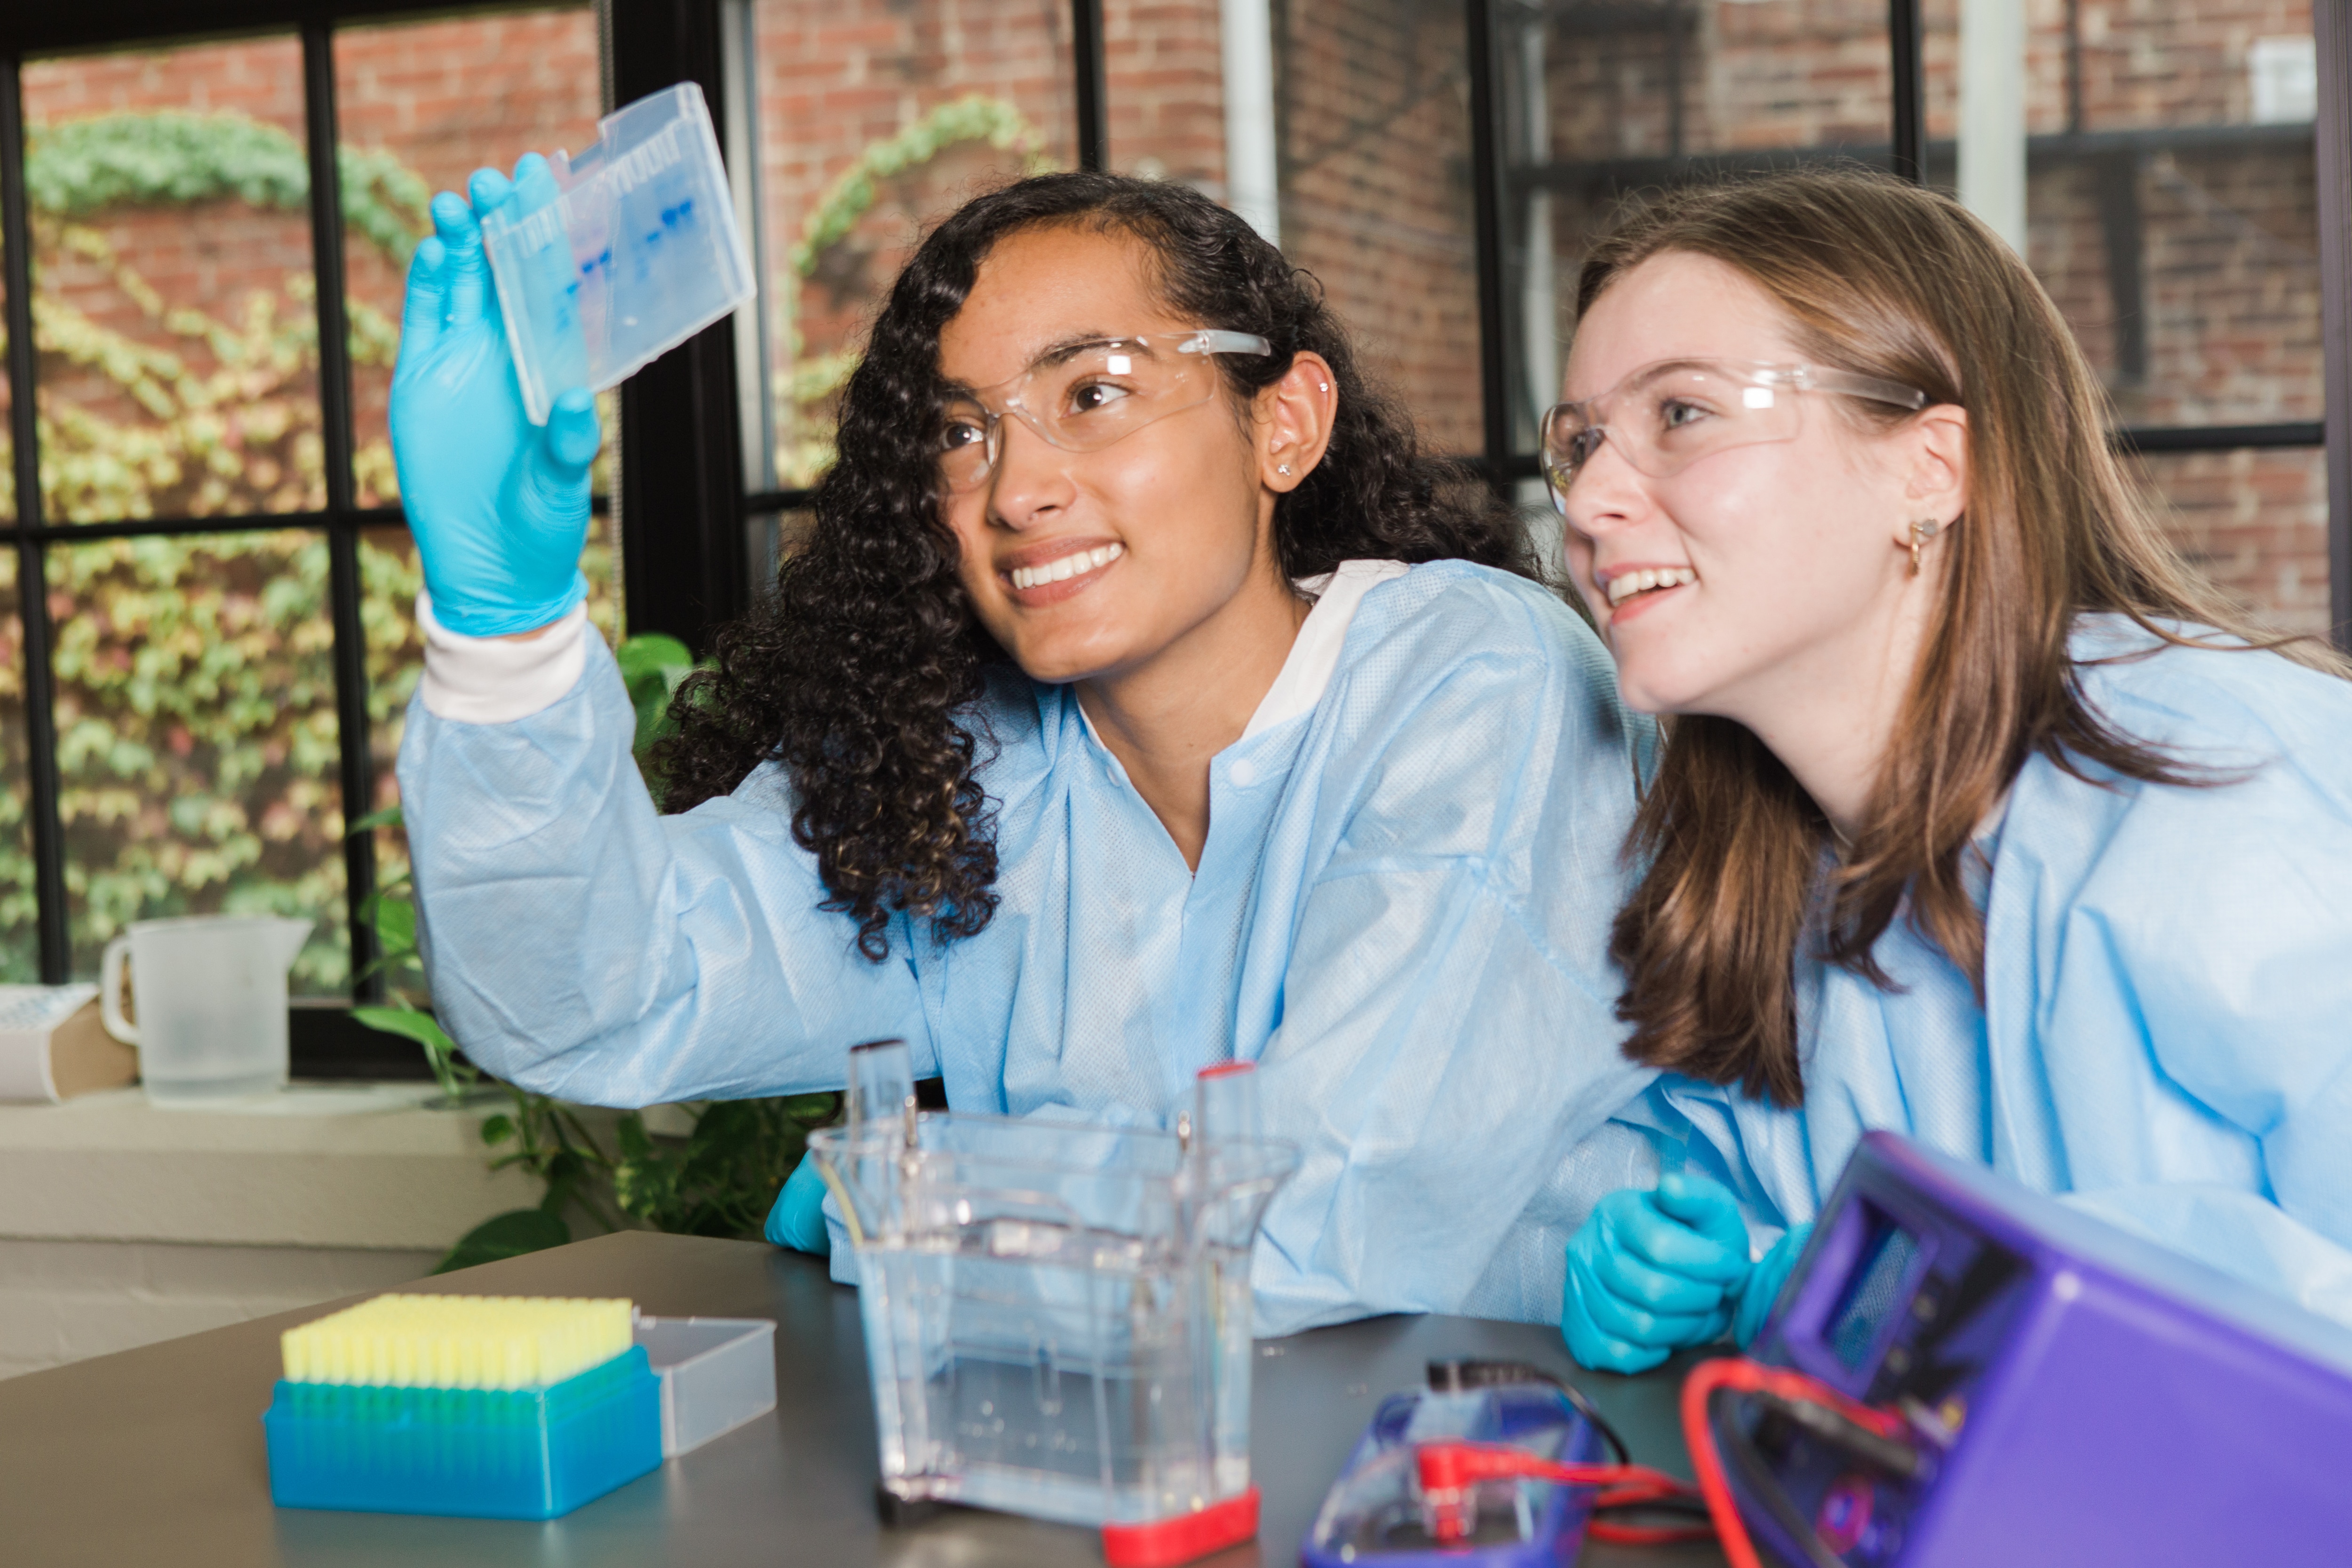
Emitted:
pixel 2214 924
pixel 582 946
pixel 1448 1036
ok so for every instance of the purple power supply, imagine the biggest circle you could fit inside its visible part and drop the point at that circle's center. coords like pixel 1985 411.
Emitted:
pixel 2105 1400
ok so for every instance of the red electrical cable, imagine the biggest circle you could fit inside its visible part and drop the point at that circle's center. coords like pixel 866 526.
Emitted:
pixel 1448 1470
pixel 1749 1377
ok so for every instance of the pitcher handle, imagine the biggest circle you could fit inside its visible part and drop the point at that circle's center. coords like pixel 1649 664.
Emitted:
pixel 110 991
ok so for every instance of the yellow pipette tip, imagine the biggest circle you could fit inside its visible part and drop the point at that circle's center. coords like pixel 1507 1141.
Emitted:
pixel 459 1341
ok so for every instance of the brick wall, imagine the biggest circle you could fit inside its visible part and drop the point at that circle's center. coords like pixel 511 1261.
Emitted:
pixel 1371 100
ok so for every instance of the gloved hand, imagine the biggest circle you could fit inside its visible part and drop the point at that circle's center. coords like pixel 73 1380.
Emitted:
pixel 798 1219
pixel 1650 1272
pixel 1764 1282
pixel 499 506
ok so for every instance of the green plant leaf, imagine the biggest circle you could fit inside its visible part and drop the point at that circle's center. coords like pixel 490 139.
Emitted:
pixel 509 1234
pixel 394 921
pixel 415 1026
pixel 649 653
pixel 498 1129
pixel 388 817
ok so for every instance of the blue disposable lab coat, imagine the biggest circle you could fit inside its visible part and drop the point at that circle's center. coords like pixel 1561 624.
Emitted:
pixel 1401 914
pixel 2167 1032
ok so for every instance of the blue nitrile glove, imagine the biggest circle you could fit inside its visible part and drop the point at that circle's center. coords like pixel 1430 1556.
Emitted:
pixel 1650 1272
pixel 499 506
pixel 1764 1282
pixel 798 1219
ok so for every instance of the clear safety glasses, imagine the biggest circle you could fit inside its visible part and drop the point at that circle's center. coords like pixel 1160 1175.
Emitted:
pixel 1086 395
pixel 1666 416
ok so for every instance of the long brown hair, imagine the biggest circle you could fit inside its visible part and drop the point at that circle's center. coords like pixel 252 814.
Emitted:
pixel 1887 278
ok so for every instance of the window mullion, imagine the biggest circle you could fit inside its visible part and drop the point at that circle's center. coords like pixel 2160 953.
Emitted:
pixel 1087 80
pixel 32 575
pixel 352 734
pixel 1907 57
pixel 1486 220
pixel 2332 22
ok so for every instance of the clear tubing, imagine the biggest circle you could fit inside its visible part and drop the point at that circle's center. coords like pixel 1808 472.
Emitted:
pixel 1225 1105
pixel 881 1081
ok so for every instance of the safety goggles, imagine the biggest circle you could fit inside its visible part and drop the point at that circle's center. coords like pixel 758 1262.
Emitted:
pixel 1666 416
pixel 1084 396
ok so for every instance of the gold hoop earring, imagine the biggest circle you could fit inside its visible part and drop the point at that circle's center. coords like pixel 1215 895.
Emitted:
pixel 1922 530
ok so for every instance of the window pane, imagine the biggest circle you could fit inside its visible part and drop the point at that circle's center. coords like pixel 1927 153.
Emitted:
pixel 873 116
pixel 196 714
pixel 2255 522
pixel 1373 98
pixel 1369 149
pixel 1601 101
pixel 2172 199
pixel 172 253
pixel 20 945
pixel 7 429
pixel 422 105
pixel 2171 210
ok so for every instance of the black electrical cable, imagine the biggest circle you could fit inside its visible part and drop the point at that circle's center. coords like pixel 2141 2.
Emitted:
pixel 1464 1375
pixel 1756 1479
pixel 1890 1454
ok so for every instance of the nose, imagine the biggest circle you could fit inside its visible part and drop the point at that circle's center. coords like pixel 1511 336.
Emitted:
pixel 1032 480
pixel 1608 492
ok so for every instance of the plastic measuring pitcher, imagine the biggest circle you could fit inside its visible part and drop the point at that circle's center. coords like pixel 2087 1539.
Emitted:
pixel 628 251
pixel 211 994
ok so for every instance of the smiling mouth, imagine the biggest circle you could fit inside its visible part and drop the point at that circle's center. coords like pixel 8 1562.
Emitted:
pixel 1647 581
pixel 1075 565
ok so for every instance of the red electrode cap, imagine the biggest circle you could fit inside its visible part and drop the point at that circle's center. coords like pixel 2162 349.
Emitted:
pixel 1164 1542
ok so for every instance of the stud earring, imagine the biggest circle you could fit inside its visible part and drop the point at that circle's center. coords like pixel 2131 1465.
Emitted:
pixel 1322 386
pixel 1283 468
pixel 1922 530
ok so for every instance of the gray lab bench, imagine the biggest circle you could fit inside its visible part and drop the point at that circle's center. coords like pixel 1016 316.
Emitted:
pixel 155 1457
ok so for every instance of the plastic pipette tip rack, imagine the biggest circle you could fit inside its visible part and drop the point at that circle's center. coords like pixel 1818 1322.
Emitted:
pixel 503 1407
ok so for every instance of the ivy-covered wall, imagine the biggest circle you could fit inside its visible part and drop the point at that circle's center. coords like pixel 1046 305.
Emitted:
pixel 176 343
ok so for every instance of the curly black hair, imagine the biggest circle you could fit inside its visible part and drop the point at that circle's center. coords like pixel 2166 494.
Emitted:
pixel 860 670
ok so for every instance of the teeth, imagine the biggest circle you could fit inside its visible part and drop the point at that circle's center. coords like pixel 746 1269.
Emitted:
pixel 1624 587
pixel 1071 565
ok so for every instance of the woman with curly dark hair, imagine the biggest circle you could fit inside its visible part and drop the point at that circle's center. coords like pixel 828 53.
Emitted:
pixel 1140 701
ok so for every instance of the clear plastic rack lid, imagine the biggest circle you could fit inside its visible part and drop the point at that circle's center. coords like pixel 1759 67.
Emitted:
pixel 632 248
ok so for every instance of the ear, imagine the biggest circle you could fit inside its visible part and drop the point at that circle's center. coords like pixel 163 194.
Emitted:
pixel 1292 422
pixel 1938 484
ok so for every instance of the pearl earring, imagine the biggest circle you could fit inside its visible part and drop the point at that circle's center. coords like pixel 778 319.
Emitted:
pixel 1922 530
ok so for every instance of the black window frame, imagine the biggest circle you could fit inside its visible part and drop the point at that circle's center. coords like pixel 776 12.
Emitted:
pixel 682 506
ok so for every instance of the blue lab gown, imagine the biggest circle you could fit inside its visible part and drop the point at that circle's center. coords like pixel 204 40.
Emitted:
pixel 2167 1032
pixel 1401 914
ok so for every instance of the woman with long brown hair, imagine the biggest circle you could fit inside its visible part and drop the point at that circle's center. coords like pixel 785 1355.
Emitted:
pixel 1979 817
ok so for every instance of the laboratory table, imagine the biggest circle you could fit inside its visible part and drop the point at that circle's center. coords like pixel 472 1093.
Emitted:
pixel 155 1457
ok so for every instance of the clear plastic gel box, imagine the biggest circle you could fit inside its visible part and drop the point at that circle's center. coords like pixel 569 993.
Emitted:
pixel 631 250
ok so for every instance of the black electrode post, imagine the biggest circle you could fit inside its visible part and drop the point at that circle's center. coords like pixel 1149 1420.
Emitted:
pixel 32 576
pixel 1906 53
pixel 1486 218
pixel 352 730
pixel 684 564
pixel 1093 93
pixel 2331 21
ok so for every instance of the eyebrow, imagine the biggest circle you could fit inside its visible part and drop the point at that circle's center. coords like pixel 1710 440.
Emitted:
pixel 1655 367
pixel 1061 351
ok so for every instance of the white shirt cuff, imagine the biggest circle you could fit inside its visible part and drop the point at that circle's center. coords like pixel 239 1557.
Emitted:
pixel 497 680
